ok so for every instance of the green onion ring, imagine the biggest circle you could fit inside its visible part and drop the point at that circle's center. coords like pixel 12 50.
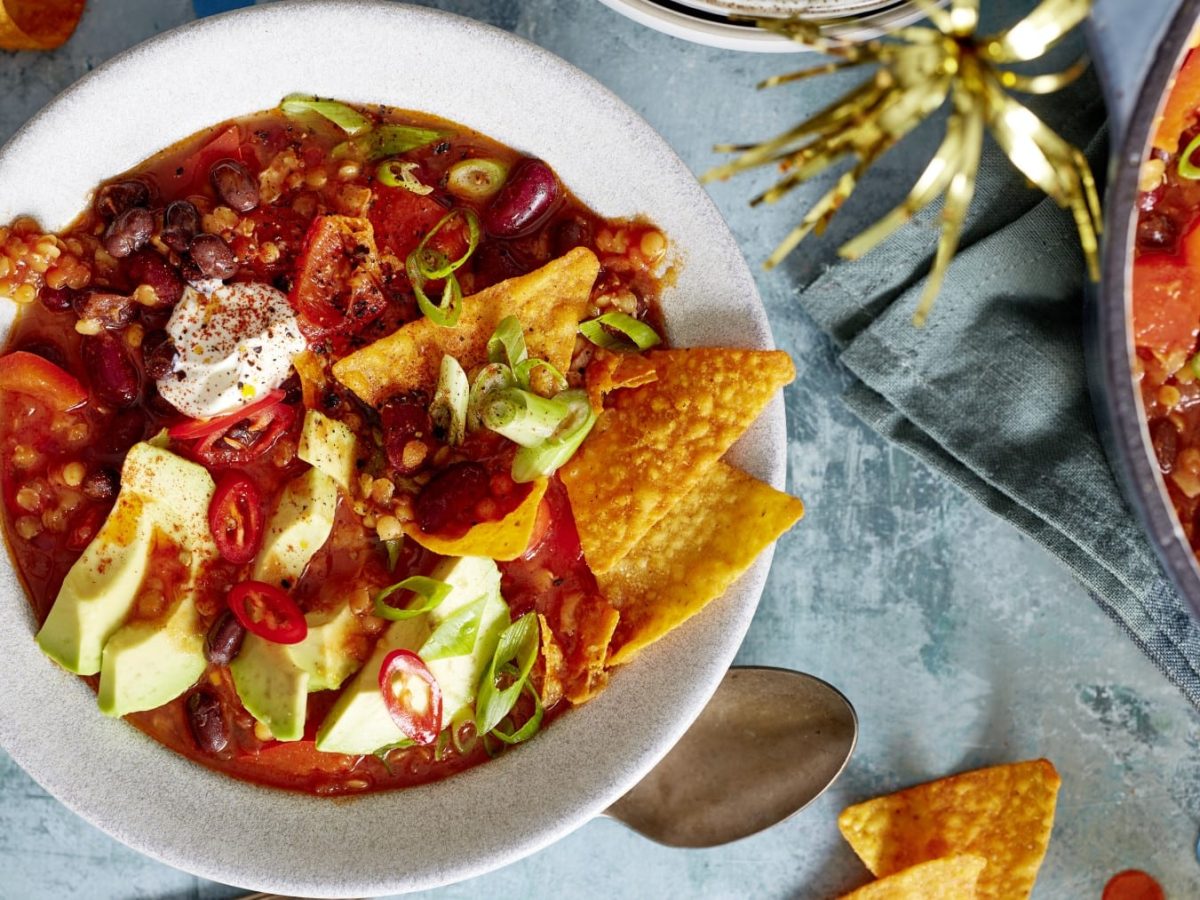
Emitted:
pixel 1188 169
pixel 445 313
pixel 531 726
pixel 448 266
pixel 639 334
pixel 432 590
pixel 344 117
pixel 398 173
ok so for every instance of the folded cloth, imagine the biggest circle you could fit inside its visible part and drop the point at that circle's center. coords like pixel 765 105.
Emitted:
pixel 992 390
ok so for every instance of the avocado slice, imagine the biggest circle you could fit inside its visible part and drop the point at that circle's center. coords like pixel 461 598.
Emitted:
pixel 274 680
pixel 159 492
pixel 299 527
pixel 359 721
pixel 328 445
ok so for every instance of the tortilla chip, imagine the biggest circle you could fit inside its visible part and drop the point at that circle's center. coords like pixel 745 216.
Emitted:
pixel 654 443
pixel 951 878
pixel 550 303
pixel 610 371
pixel 690 557
pixel 588 621
pixel 553 665
pixel 501 540
pixel 1003 813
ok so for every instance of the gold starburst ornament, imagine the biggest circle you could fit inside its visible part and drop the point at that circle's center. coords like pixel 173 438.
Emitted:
pixel 919 68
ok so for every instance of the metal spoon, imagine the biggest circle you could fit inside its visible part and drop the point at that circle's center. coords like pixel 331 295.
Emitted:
pixel 769 743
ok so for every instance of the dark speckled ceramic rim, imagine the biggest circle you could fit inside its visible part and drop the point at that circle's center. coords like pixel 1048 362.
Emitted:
pixel 1109 337
pixel 265 840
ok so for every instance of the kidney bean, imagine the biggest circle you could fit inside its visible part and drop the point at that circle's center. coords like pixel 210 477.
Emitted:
pixel 213 257
pixel 109 309
pixel 235 185
pixel 405 420
pixel 114 199
pixel 101 484
pixel 1165 440
pixel 181 222
pixel 129 232
pixel 526 200
pixel 446 502
pixel 159 355
pixel 148 267
pixel 117 434
pixel 206 720
pixel 57 299
pixel 224 639
pixel 571 233
pixel 115 378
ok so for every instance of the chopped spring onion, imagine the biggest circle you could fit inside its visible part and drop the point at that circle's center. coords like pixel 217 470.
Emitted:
pixel 1187 168
pixel 432 590
pixel 531 726
pixel 491 378
pixel 349 120
pixel 539 460
pixel 401 174
pixel 385 141
pixel 600 332
pixel 456 635
pixel 434 265
pixel 523 372
pixel 446 312
pixel 519 643
pixel 461 718
pixel 1194 365
pixel 476 179
pixel 523 417
pixel 449 407
pixel 507 344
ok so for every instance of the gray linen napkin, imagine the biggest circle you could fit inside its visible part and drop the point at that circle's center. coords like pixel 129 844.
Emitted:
pixel 992 391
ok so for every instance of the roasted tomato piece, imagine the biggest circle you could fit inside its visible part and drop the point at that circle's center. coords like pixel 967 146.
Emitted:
pixel 33 375
pixel 192 173
pixel 268 612
pixel 1182 102
pixel 401 218
pixel 1166 298
pixel 412 695
pixel 279 226
pixel 465 494
pixel 235 518
pixel 240 437
pixel 338 279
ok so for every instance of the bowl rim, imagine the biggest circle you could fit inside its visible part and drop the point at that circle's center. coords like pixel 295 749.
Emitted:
pixel 186 831
pixel 1121 414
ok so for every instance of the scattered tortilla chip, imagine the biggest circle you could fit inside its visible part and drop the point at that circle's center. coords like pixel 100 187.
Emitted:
pixel 1003 813
pixel 553 665
pixel 654 443
pixel 37 24
pixel 550 303
pixel 588 622
pixel 501 540
pixel 610 371
pixel 951 878
pixel 690 557
pixel 312 377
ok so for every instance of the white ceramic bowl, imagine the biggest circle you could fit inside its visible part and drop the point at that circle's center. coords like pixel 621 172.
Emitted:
pixel 258 838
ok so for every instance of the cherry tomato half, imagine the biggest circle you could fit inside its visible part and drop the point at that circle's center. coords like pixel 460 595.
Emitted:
pixel 267 611
pixel 412 696
pixel 235 518
pixel 337 288
pixel 28 373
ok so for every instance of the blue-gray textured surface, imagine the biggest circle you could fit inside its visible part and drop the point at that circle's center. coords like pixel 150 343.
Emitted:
pixel 960 642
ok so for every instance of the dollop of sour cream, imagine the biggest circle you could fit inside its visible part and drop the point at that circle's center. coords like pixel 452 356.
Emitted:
pixel 234 344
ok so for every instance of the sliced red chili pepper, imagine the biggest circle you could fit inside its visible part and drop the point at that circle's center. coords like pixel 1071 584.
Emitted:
pixel 235 517
pixel 238 446
pixel 338 279
pixel 28 373
pixel 267 611
pixel 412 695
pixel 198 428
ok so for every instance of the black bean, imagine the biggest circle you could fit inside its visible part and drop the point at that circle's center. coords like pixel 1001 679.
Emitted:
pixel 115 378
pixel 212 257
pixel 110 310
pixel 1165 439
pixel 56 299
pixel 101 484
pixel 159 355
pixel 235 185
pixel 181 221
pixel 206 719
pixel 129 232
pixel 224 639
pixel 1157 231
pixel 114 199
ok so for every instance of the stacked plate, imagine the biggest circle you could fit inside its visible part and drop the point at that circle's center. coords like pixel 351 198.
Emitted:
pixel 729 23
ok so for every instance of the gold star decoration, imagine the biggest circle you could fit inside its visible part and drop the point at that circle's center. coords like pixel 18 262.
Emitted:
pixel 919 67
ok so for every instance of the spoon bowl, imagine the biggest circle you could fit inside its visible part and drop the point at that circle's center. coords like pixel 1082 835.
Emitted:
pixel 769 743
